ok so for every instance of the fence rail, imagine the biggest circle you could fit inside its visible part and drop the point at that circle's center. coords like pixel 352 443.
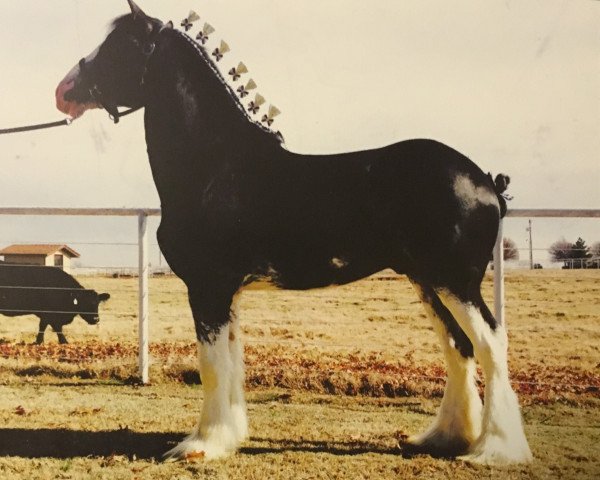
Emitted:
pixel 142 215
pixel 93 212
pixel 554 213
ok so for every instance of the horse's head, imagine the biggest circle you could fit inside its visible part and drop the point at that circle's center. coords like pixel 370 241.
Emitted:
pixel 113 74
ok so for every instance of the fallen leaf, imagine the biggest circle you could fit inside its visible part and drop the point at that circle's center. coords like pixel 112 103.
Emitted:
pixel 193 456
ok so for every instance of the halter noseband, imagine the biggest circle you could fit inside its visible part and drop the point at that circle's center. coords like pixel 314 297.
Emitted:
pixel 100 98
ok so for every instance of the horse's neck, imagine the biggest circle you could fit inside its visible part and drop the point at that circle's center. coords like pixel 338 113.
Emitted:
pixel 185 89
pixel 195 130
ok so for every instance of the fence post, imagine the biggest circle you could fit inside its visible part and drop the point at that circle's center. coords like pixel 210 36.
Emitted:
pixel 499 275
pixel 143 295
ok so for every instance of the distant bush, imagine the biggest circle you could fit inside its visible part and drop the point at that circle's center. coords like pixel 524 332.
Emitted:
pixel 510 249
pixel 575 255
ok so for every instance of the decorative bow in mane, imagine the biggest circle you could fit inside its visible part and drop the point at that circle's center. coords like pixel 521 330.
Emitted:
pixel 253 107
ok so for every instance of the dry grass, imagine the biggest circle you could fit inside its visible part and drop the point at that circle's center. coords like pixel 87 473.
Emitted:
pixel 109 431
pixel 365 340
pixel 380 314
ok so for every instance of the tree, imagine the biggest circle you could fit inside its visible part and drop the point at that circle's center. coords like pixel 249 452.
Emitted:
pixel 510 249
pixel 560 250
pixel 580 249
pixel 595 249
pixel 572 254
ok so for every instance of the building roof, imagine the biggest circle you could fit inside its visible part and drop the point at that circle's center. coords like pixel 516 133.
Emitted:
pixel 39 249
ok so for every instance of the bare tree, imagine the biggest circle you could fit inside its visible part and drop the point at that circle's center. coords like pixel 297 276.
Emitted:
pixel 595 249
pixel 561 250
pixel 510 249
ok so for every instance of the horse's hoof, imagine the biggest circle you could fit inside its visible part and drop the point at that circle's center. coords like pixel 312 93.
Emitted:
pixel 498 451
pixel 436 444
pixel 220 442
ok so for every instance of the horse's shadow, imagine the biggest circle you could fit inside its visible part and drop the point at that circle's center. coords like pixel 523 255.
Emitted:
pixel 316 446
pixel 64 443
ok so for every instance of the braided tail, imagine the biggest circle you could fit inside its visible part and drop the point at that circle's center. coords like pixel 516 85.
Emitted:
pixel 501 183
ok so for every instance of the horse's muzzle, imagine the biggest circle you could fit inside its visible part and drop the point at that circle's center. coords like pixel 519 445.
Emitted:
pixel 67 102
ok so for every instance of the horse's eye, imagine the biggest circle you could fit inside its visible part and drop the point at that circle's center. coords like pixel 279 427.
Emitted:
pixel 148 48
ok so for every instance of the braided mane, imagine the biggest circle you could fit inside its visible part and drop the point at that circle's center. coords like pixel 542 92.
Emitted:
pixel 203 54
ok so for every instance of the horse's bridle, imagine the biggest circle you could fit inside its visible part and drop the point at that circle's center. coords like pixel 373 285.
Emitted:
pixel 103 100
pixel 97 95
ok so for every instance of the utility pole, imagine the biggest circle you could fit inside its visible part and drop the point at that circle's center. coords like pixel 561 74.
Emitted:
pixel 530 247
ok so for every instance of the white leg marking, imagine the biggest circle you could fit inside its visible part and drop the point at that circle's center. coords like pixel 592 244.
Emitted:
pixel 458 422
pixel 215 435
pixel 236 350
pixel 502 439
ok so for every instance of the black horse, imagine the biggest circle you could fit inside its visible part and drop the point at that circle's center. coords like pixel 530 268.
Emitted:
pixel 237 206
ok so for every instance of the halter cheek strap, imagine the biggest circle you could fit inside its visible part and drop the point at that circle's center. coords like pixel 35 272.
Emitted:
pixel 98 96
pixel 106 103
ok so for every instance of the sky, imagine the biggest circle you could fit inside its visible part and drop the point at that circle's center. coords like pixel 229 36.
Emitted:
pixel 512 84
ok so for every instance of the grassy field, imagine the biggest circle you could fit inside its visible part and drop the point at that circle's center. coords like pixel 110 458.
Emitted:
pixel 335 377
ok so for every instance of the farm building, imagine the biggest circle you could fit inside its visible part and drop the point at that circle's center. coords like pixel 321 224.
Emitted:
pixel 51 255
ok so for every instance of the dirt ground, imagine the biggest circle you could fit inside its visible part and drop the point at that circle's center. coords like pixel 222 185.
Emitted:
pixel 335 376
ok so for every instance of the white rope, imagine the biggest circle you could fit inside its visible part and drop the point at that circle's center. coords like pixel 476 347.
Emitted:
pixel 33 312
pixel 21 287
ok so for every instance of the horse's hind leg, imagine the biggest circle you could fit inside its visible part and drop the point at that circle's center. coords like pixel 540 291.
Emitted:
pixel 502 438
pixel 458 421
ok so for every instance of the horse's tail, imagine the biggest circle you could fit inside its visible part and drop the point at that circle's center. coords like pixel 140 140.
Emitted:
pixel 501 183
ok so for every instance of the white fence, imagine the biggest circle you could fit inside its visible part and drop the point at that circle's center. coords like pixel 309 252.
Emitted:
pixel 498 253
pixel 142 215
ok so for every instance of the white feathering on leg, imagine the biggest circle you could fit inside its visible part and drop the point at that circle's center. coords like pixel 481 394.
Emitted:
pixel 216 435
pixel 458 422
pixel 502 440
pixel 237 398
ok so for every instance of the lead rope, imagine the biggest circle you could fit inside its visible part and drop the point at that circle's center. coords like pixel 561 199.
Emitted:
pixel 27 128
pixel 60 123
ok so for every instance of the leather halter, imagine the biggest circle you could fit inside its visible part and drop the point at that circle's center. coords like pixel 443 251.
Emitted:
pixel 104 100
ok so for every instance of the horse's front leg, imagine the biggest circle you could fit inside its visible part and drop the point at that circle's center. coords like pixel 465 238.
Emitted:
pixel 236 350
pixel 222 424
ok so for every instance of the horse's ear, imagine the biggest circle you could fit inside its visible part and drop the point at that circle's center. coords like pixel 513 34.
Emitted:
pixel 140 16
pixel 137 11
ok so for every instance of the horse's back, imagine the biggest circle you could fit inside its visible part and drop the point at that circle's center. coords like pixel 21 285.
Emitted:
pixel 406 179
pixel 336 218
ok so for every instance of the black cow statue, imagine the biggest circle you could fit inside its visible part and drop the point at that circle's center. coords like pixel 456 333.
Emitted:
pixel 49 293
